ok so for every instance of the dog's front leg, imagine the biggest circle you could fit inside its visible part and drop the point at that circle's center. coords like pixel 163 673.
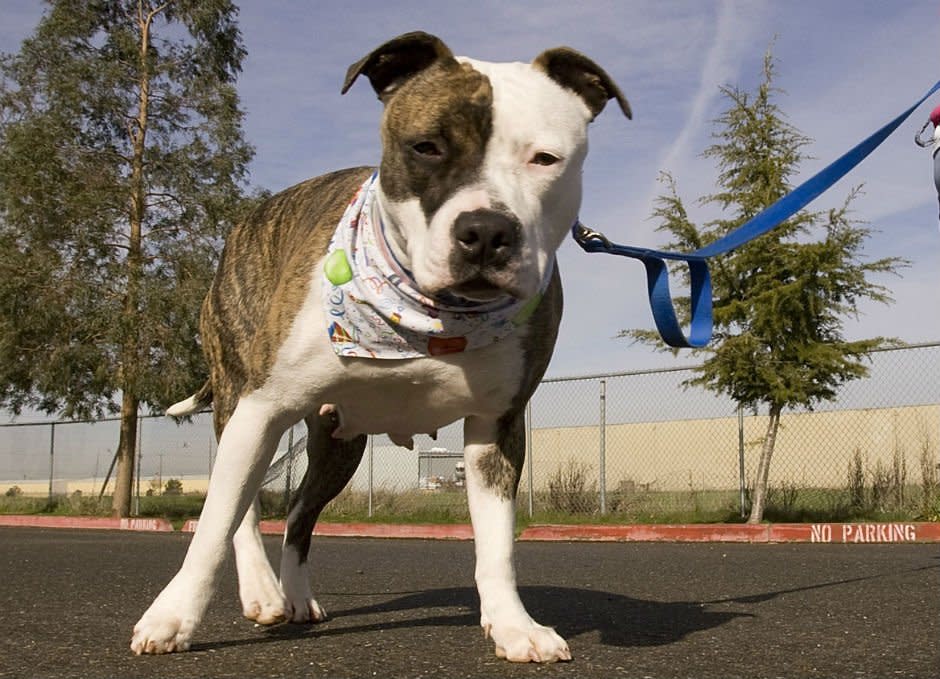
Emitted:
pixel 245 450
pixel 494 453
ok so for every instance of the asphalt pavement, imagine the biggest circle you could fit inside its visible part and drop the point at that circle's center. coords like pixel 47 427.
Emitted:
pixel 407 608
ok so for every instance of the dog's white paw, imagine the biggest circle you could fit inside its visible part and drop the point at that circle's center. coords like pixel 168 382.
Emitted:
pixel 532 643
pixel 267 611
pixel 295 581
pixel 262 598
pixel 168 625
pixel 308 610
pixel 160 632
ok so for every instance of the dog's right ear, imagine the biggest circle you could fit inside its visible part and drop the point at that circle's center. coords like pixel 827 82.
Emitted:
pixel 391 64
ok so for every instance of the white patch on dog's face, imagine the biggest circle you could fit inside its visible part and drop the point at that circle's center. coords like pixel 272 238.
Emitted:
pixel 529 173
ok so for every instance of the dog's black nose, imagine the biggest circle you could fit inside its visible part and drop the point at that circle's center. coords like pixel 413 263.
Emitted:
pixel 486 237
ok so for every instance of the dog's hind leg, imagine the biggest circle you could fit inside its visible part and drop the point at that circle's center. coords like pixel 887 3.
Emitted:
pixel 245 451
pixel 330 464
pixel 258 588
pixel 494 452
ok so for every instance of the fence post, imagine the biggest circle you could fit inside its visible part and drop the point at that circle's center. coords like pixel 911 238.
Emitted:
pixel 289 471
pixel 742 482
pixel 209 449
pixel 371 452
pixel 603 447
pixel 51 458
pixel 528 454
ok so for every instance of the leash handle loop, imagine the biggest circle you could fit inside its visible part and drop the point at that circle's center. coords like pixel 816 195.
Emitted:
pixel 918 138
pixel 657 274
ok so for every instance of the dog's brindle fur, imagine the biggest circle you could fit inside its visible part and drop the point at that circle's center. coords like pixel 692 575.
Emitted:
pixel 261 296
pixel 249 308
pixel 255 296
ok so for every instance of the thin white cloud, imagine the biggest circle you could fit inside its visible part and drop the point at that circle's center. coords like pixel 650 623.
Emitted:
pixel 734 25
pixel 717 69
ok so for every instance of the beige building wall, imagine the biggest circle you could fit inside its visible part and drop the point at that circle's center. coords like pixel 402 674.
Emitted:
pixel 813 449
pixel 91 487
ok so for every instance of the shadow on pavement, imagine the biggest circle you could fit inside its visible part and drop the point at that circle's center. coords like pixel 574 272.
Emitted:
pixel 621 621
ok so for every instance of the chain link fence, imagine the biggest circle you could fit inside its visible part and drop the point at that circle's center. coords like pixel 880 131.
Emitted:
pixel 635 446
pixel 646 446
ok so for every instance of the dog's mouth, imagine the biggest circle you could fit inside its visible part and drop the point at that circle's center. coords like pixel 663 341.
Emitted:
pixel 477 289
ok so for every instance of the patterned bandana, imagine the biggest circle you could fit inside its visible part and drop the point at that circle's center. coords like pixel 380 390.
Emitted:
pixel 375 310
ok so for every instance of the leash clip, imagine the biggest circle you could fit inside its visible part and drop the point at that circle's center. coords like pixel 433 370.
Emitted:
pixel 582 235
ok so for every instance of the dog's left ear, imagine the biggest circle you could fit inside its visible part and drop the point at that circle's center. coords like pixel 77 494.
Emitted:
pixel 391 64
pixel 574 71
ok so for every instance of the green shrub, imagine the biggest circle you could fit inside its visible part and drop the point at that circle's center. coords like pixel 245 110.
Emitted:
pixel 569 490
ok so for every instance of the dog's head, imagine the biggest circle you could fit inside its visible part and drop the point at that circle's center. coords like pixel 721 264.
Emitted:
pixel 481 171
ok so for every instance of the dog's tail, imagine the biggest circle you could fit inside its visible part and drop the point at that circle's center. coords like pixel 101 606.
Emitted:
pixel 192 405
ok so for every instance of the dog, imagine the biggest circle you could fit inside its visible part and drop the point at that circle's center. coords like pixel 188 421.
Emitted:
pixel 394 301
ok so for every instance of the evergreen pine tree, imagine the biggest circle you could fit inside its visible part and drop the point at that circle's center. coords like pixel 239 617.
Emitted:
pixel 122 164
pixel 781 300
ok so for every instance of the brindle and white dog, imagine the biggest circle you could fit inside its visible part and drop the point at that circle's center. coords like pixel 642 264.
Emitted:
pixel 479 182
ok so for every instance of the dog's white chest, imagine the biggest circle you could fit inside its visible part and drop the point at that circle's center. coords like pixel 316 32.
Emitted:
pixel 398 397
pixel 419 396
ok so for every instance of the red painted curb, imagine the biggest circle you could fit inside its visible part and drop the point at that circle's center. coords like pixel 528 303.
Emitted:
pixel 368 530
pixel 843 533
pixel 417 531
pixel 855 533
pixel 648 533
pixel 837 533
pixel 94 522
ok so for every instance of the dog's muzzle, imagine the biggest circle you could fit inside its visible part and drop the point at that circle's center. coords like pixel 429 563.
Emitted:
pixel 486 249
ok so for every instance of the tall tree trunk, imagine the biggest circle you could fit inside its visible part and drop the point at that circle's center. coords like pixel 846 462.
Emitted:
pixel 127 454
pixel 131 352
pixel 759 496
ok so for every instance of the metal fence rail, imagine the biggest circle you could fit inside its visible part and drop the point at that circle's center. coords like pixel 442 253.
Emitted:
pixel 639 445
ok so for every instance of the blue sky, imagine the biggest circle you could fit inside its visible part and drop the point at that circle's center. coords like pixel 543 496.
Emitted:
pixel 846 68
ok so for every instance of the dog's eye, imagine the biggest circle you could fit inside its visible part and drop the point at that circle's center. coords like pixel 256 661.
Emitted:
pixel 544 158
pixel 428 149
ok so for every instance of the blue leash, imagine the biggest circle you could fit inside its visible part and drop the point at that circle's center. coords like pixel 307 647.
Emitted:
pixel 657 275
